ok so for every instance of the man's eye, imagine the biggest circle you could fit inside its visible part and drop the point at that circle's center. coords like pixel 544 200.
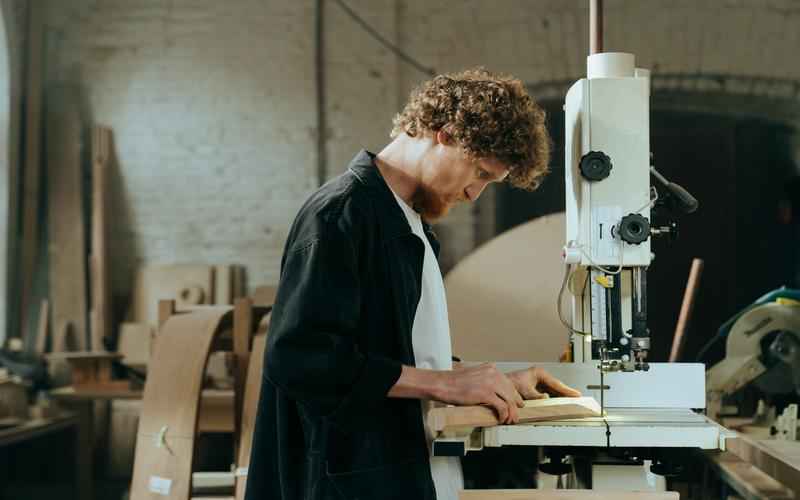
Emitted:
pixel 483 174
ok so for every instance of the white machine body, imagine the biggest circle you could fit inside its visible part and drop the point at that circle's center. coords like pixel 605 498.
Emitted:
pixel 608 111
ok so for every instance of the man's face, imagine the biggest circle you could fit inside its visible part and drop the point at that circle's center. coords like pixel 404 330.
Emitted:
pixel 450 177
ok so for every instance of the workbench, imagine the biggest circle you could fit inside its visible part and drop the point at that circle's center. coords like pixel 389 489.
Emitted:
pixel 216 415
pixel 36 428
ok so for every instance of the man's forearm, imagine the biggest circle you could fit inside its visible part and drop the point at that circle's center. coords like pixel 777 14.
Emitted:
pixel 418 383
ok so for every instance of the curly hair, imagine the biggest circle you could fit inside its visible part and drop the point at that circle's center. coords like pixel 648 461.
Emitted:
pixel 489 116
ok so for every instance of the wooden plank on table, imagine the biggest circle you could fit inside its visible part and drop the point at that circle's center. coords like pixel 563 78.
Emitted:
pixel 748 481
pixel 534 411
pixel 66 228
pixel 101 327
pixel 779 462
pixel 33 147
pixel 565 495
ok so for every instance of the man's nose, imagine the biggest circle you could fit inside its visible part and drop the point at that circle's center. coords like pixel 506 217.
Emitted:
pixel 474 191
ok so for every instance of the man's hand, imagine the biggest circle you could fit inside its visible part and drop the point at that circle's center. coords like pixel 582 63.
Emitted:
pixel 481 384
pixel 535 383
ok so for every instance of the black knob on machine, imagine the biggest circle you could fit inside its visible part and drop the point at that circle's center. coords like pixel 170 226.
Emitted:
pixel 634 229
pixel 595 166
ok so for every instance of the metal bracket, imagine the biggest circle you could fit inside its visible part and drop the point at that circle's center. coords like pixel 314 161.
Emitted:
pixel 456 443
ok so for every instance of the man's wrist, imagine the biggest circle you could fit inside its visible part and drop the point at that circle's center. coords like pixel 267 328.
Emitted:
pixel 420 384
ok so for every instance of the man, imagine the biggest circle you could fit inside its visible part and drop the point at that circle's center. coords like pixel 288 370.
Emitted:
pixel 359 343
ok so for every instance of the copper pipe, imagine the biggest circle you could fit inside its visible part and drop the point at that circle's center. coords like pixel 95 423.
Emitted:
pixel 687 307
pixel 595 26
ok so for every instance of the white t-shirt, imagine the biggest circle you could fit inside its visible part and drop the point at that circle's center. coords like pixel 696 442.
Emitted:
pixel 430 337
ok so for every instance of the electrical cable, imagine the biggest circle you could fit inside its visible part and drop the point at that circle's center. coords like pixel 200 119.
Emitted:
pixel 383 41
pixel 567 274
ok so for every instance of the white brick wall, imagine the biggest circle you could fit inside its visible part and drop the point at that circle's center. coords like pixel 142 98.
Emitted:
pixel 212 103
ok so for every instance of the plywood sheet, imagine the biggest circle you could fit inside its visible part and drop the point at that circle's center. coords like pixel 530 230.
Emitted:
pixel 66 223
pixel 538 410
pixel 33 148
pixel 513 280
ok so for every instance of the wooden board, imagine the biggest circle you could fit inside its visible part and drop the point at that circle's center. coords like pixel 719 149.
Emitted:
pixel 66 224
pixel 33 147
pixel 252 391
pixel 264 295
pixel 223 285
pixel 101 321
pixel 538 410
pixel 187 284
pixel 238 282
pixel 168 424
pixel 779 459
pixel 135 341
pixel 565 495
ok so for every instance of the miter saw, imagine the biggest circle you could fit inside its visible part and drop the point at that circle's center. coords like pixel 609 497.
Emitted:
pixel 762 350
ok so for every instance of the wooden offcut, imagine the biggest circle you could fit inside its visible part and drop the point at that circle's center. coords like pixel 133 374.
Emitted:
pixel 66 228
pixel 537 410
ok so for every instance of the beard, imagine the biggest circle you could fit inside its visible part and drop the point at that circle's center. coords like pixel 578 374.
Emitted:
pixel 432 206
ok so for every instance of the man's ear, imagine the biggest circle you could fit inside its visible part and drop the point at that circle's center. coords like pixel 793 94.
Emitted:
pixel 442 137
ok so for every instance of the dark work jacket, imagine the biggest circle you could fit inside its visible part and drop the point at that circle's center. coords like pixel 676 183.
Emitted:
pixel 340 330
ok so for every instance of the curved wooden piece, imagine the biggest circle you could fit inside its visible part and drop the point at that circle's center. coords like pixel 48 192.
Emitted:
pixel 168 424
pixel 489 288
pixel 251 394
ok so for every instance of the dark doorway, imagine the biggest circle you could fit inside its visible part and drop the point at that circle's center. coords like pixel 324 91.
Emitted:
pixel 740 170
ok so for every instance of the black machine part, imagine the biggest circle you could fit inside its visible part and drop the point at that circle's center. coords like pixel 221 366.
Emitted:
pixel 634 229
pixel 681 199
pixel 786 347
pixel 595 166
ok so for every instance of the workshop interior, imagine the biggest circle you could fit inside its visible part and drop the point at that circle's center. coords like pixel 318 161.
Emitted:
pixel 156 152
